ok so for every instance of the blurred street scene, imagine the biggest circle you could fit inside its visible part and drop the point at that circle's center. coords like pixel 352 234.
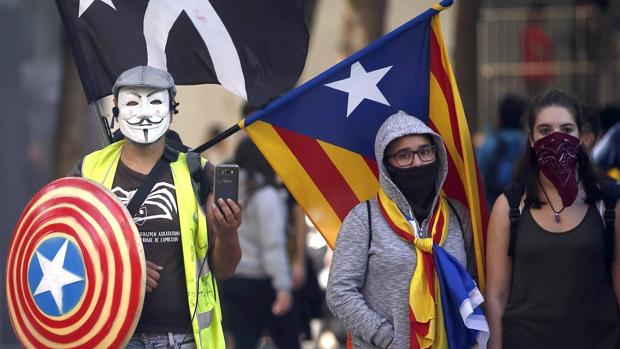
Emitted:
pixel 504 52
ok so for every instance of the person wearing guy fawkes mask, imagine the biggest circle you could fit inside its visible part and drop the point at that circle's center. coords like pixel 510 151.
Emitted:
pixel 376 254
pixel 182 255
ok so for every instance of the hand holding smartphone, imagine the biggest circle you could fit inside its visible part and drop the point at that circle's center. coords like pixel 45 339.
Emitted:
pixel 224 215
pixel 226 182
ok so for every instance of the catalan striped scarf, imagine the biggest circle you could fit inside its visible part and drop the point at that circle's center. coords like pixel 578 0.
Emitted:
pixel 425 309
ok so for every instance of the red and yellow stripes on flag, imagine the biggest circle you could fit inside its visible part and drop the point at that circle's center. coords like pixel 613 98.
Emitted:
pixel 447 116
pixel 89 216
pixel 326 180
pixel 425 308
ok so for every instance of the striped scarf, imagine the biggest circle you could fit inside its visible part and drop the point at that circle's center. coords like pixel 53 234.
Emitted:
pixel 425 305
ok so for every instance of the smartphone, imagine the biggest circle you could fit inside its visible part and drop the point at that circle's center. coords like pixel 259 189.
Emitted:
pixel 226 182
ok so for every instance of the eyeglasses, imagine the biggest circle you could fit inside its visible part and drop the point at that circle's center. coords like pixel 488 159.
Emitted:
pixel 405 157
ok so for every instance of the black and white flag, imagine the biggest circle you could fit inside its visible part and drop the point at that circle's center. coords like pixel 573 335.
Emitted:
pixel 256 49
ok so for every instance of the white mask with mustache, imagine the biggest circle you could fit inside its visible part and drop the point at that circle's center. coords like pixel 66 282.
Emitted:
pixel 143 113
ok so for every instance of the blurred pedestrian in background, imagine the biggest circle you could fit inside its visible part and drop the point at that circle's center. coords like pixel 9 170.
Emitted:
pixel 308 298
pixel 591 130
pixel 537 50
pixel 606 154
pixel 257 300
pixel 500 150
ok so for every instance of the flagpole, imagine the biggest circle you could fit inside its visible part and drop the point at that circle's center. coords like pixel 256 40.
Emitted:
pixel 220 137
pixel 103 124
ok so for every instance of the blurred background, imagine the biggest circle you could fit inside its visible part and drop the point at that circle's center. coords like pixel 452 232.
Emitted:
pixel 498 47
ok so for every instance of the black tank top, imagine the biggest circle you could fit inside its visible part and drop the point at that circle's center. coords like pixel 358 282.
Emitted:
pixel 561 294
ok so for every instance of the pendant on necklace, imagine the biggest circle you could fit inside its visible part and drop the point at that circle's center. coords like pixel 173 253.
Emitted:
pixel 557 217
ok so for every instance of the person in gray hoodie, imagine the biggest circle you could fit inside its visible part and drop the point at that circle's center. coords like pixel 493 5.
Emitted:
pixel 372 267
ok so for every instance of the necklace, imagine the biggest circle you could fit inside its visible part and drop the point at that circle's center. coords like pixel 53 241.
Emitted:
pixel 556 214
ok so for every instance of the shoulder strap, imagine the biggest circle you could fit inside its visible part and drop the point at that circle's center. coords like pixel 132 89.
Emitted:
pixel 611 192
pixel 199 182
pixel 457 216
pixel 513 193
pixel 369 223
pixel 149 182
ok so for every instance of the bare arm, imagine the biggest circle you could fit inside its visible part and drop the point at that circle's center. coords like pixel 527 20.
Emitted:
pixel 499 269
pixel 225 252
pixel 615 266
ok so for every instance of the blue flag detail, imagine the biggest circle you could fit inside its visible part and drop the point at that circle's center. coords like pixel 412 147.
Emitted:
pixel 326 110
pixel 464 319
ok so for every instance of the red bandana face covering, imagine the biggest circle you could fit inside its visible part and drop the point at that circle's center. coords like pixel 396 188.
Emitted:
pixel 557 156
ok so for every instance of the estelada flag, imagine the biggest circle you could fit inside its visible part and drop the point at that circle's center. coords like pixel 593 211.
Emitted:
pixel 254 49
pixel 320 137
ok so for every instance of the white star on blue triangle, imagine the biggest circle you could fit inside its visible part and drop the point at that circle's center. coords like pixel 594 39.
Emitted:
pixel 361 85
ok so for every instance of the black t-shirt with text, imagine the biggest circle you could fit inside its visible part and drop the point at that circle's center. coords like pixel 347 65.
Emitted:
pixel 165 308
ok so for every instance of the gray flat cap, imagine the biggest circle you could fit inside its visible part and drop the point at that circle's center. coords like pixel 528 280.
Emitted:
pixel 145 76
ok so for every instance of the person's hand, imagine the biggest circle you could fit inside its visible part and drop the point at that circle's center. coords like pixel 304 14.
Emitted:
pixel 152 275
pixel 282 304
pixel 298 269
pixel 226 219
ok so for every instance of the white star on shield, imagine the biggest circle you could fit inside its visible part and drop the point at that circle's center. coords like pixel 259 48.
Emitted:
pixel 55 277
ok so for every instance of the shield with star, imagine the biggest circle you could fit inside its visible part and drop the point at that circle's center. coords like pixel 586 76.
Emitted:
pixel 75 273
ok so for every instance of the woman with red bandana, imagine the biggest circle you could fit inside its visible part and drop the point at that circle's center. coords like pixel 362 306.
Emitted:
pixel 556 288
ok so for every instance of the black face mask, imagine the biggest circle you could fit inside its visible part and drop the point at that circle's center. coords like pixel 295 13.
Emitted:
pixel 417 185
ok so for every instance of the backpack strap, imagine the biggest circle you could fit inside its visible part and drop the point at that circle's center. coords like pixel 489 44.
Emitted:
pixel 151 179
pixel 457 218
pixel 611 193
pixel 369 223
pixel 513 193
pixel 470 252
pixel 199 182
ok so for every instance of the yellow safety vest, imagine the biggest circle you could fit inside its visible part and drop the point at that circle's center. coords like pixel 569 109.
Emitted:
pixel 101 165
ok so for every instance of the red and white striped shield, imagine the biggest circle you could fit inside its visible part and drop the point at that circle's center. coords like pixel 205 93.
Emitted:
pixel 75 273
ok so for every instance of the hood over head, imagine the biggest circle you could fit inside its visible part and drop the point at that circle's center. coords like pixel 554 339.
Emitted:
pixel 396 126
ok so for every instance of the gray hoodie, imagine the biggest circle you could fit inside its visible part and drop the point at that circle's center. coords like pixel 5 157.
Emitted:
pixel 369 278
